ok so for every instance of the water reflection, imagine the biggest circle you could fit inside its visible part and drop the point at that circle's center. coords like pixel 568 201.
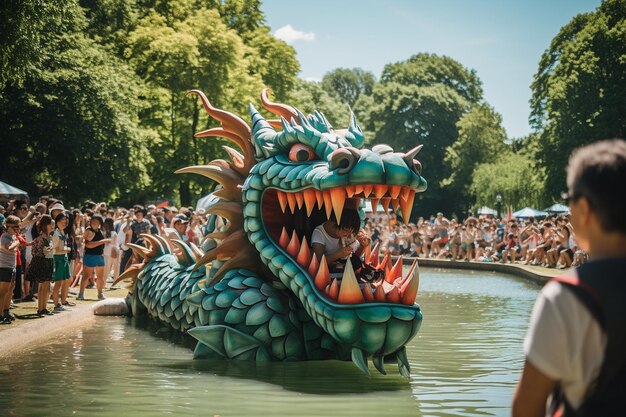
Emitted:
pixel 465 362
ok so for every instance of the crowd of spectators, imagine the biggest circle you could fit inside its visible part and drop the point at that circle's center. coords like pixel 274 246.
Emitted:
pixel 548 242
pixel 79 248
pixel 87 247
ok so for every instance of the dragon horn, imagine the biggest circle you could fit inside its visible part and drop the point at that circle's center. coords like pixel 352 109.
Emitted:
pixel 187 256
pixel 131 273
pixel 356 131
pixel 155 244
pixel 411 154
pixel 142 252
pixel 278 109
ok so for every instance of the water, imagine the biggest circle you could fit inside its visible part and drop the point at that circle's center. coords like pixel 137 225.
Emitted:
pixel 465 361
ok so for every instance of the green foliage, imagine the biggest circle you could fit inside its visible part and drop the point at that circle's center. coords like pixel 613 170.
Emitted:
pixel 513 176
pixel 481 140
pixel 579 91
pixel 349 84
pixel 429 69
pixel 309 96
pixel 72 130
pixel 420 101
pixel 24 26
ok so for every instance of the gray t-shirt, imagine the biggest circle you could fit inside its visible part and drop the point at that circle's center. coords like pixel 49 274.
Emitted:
pixel 7 258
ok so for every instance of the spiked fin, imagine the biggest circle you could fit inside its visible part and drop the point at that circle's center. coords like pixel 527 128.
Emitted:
pixel 187 256
pixel 360 360
pixel 229 343
pixel 403 362
pixel 379 364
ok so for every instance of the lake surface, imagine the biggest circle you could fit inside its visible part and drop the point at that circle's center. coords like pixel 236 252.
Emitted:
pixel 465 361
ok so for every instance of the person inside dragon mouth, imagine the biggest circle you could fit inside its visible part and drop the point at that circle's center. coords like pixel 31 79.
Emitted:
pixel 291 218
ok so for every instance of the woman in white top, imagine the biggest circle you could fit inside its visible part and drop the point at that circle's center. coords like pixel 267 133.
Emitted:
pixel 339 240
pixel 111 250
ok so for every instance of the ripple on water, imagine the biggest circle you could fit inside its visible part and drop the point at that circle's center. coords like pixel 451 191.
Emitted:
pixel 465 362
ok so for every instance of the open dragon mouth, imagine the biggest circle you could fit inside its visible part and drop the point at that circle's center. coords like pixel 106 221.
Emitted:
pixel 291 217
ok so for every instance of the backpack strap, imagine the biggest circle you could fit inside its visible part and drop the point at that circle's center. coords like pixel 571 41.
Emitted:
pixel 586 294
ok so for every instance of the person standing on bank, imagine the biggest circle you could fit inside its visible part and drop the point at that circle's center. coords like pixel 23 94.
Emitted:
pixel 8 249
pixel 41 266
pixel 94 256
pixel 577 335
pixel 62 275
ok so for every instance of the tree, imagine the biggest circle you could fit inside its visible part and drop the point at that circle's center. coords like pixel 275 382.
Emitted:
pixel 579 90
pixel 349 84
pixel 420 101
pixel 24 25
pixel 71 129
pixel 513 176
pixel 481 140
pixel 309 96
pixel 198 52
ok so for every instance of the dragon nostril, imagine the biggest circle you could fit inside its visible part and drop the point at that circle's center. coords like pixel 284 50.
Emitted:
pixel 417 165
pixel 343 159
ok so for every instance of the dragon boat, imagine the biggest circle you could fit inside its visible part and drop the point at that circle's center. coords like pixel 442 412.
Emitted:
pixel 254 290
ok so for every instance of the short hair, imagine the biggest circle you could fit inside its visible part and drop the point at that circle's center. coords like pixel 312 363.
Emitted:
pixel 349 219
pixel 12 219
pixel 594 172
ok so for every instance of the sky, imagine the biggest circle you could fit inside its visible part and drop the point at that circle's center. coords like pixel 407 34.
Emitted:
pixel 501 39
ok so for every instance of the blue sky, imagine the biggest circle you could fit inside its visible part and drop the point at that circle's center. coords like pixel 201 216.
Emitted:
pixel 501 40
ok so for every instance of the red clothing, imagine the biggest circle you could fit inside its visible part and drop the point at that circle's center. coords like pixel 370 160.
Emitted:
pixel 18 259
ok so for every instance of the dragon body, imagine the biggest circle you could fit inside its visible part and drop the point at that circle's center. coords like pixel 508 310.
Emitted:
pixel 255 291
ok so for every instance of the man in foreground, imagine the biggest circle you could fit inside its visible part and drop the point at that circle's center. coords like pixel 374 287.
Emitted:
pixel 577 335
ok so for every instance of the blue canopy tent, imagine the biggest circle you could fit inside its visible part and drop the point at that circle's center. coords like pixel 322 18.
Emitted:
pixel 557 209
pixel 8 192
pixel 527 212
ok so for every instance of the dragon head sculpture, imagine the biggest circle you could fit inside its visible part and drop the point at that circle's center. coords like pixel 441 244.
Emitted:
pixel 290 176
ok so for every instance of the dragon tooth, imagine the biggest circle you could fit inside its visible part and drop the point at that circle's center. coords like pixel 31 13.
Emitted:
pixel 282 200
pixel 373 259
pixel 368 295
pixel 367 190
pixel 328 204
pixel 384 262
pixel 309 201
pixel 350 191
pixel 349 292
pixel 396 271
pixel 304 255
pixel 385 203
pixel 333 290
pixel 294 245
pixel 338 198
pixel 284 239
pixel 404 193
pixel 319 196
pixel 380 190
pixel 393 296
pixel 395 204
pixel 322 278
pixel 394 191
pixel 407 206
pixel 313 266
pixel 358 189
pixel 291 200
pixel 299 199
pixel 374 202
pixel 411 286
pixel 379 294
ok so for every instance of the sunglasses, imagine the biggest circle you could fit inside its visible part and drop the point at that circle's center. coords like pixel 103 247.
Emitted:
pixel 13 227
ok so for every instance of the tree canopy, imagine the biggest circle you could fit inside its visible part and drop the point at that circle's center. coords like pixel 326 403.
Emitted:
pixel 579 90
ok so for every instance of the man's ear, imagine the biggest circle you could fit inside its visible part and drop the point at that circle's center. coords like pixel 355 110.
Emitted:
pixel 585 211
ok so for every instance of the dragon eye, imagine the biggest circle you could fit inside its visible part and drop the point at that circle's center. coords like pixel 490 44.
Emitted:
pixel 301 153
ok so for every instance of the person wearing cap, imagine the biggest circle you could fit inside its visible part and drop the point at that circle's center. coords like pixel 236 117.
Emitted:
pixel 140 225
pixel 179 228
pixel 94 256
